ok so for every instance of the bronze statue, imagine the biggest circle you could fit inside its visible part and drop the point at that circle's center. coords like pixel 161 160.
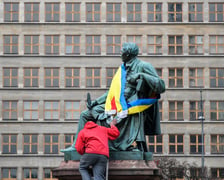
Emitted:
pixel 141 82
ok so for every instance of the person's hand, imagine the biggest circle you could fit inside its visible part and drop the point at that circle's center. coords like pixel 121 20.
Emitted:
pixel 113 122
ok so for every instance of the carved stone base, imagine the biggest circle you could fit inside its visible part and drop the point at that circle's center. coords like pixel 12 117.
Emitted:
pixel 118 170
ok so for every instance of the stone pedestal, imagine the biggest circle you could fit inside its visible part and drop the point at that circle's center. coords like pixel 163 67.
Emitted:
pixel 118 170
pixel 122 166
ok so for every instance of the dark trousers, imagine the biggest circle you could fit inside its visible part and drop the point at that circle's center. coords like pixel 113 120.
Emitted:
pixel 98 163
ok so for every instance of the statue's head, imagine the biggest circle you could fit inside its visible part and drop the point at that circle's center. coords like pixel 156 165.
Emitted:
pixel 129 50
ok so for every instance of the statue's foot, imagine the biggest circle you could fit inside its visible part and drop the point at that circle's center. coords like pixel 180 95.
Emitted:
pixel 71 148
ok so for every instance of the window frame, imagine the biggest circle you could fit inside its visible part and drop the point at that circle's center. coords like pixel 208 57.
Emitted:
pixel 155 12
pixel 32 12
pixel 10 77
pixel 73 13
pixel 176 110
pixel 93 77
pixel 30 144
pixel 31 77
pixel 176 143
pixel 154 45
pixel 52 77
pixel 72 110
pixel 195 12
pixel 52 12
pixel 52 110
pixel 11 12
pixel 31 110
pixel 113 44
pixel 51 143
pixel 114 12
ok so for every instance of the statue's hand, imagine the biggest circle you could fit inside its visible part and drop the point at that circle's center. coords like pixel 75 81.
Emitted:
pixel 133 78
pixel 90 106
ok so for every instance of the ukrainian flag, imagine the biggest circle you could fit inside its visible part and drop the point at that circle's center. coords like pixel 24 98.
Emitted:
pixel 116 103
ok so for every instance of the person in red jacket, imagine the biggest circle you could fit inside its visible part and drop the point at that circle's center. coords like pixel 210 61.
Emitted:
pixel 92 144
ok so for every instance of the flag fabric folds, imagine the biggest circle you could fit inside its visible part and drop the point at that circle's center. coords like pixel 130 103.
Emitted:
pixel 116 103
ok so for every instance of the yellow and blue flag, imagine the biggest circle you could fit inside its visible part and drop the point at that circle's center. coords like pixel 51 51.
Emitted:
pixel 116 103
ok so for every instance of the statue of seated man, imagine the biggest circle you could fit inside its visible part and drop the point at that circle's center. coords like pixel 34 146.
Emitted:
pixel 138 83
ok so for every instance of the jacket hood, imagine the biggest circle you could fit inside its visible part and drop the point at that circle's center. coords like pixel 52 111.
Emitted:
pixel 90 124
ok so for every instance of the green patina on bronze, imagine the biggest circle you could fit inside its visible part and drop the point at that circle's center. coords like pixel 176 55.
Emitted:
pixel 142 81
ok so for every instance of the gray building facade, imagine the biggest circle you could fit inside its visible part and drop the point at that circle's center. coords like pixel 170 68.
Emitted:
pixel 53 52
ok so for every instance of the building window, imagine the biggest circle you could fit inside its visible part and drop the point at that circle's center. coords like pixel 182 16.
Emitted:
pixel 69 139
pixel 10 110
pixel 161 110
pixel 10 77
pixel 31 12
pixel 30 110
pixel 175 77
pixel 176 144
pixel 9 173
pixel 216 77
pixel 113 12
pixel 72 12
pixel 31 44
pixel 52 44
pixel 216 44
pixel 176 110
pixel 30 144
pixel 196 45
pixel 134 12
pixel 11 44
pixel 92 12
pixel 216 12
pixel 217 110
pixel 195 144
pixel 175 12
pixel 110 72
pixel 195 12
pixel 155 44
pixel 72 77
pixel 217 173
pixel 51 77
pixel 51 110
pixel 52 12
pixel 93 45
pixel 72 110
pixel 93 77
pixel 113 44
pixel 9 144
pixel 48 174
pixel 175 46
pixel 195 110
pixel 155 144
pixel 154 12
pixel 196 77
pixel 137 39
pixel 217 143
pixel 72 44
pixel 51 144
pixel 30 174
pixel 31 77
pixel 11 12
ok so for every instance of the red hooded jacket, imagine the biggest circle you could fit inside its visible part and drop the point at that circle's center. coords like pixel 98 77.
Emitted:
pixel 94 139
